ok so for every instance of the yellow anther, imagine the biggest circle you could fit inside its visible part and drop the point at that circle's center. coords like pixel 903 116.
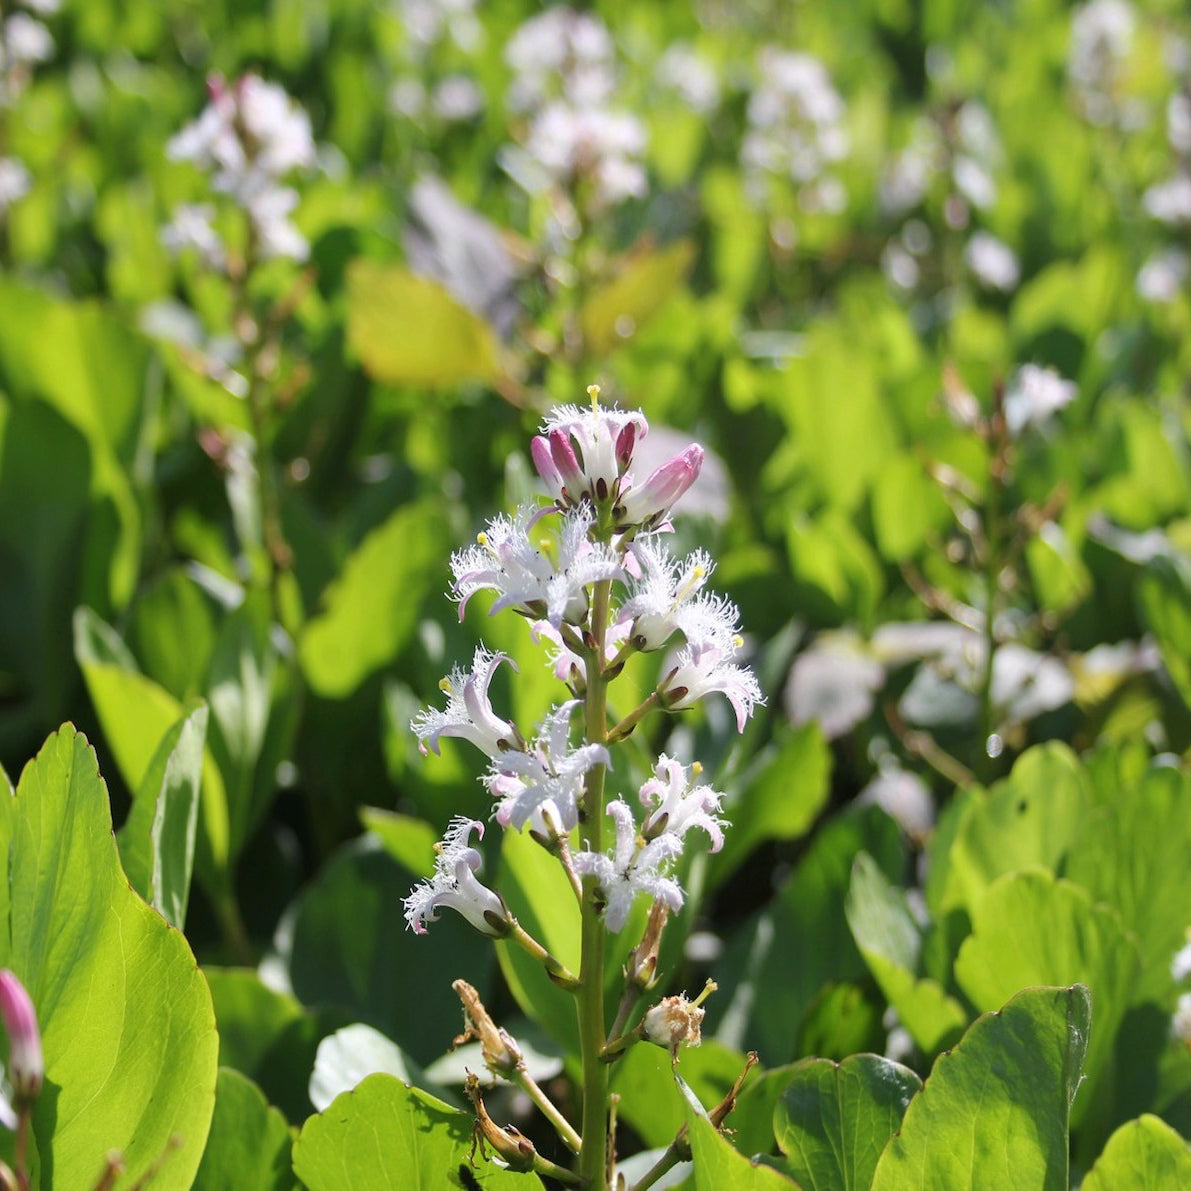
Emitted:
pixel 738 641
pixel 593 391
pixel 700 572
pixel 696 768
pixel 444 685
pixel 482 538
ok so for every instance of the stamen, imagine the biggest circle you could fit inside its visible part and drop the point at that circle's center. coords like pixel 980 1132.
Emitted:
pixel 593 391
pixel 444 685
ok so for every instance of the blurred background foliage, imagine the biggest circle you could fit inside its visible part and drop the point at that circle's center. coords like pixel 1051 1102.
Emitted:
pixel 832 284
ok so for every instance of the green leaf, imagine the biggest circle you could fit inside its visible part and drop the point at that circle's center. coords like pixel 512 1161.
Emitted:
pixel 127 1024
pixel 1164 594
pixel 408 840
pixel 1132 856
pixel 537 892
pixel 644 283
pixel 889 940
pixel 719 1167
pixel 834 1119
pixel 370 612
pixel 135 714
pixel 239 690
pixel 649 1101
pixel 343 945
pixel 908 507
pixel 408 330
pixel 1059 576
pixel 1030 928
pixel 157 840
pixel 780 798
pixel 250 1142
pixel 384 1135
pixel 1029 819
pixel 773 973
pixel 1142 1155
pixel 994 1111
pixel 267 1036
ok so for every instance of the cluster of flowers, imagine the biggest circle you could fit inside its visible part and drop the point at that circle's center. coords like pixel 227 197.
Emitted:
pixel 961 148
pixel 565 76
pixel 430 25
pixel 250 136
pixel 610 527
pixel 24 42
pixel 796 129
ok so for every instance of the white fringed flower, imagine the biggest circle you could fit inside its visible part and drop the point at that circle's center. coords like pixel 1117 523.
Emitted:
pixel 699 674
pixel 542 785
pixel 1034 395
pixel 676 804
pixel 455 886
pixel 524 576
pixel 633 867
pixel 468 713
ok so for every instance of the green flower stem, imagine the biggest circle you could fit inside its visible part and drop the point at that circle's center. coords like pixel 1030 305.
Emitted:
pixel 548 1109
pixel 679 1150
pixel 554 1171
pixel 630 721
pixel 593 1157
pixel 556 969
pixel 998 468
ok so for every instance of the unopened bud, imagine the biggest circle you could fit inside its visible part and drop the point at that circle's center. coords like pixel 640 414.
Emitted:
pixel 26 1067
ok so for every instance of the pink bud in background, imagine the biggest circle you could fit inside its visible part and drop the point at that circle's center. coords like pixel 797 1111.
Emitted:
pixel 26 1068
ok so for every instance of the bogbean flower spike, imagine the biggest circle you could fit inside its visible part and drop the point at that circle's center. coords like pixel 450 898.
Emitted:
pixel 590 569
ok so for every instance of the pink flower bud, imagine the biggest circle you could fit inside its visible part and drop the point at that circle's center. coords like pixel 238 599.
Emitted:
pixel 650 503
pixel 26 1068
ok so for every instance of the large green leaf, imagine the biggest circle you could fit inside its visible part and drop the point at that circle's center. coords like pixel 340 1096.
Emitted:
pixel 127 1023
pixel 536 890
pixel 370 612
pixel 1164 595
pixel 1029 819
pixel 780 798
pixel 646 280
pixel 344 946
pixel 1133 856
pixel 384 1135
pixel 157 839
pixel 1142 1155
pixel 135 714
pixel 1030 928
pixel 719 1167
pixel 649 1101
pixel 249 1145
pixel 409 330
pixel 773 972
pixel 267 1036
pixel 994 1111
pixel 834 1119
pixel 889 940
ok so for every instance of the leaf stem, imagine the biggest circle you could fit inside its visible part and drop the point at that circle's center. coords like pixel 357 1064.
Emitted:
pixel 549 1110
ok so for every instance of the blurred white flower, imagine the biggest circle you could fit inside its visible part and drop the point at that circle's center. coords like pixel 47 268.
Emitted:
pixel 407 97
pixel 561 53
pixel 691 76
pixel 457 97
pixel 1180 965
pixel 796 119
pixel 14 181
pixel 250 135
pixel 904 797
pixel 607 146
pixel 834 683
pixel 1162 275
pixel 427 22
pixel 992 261
pixel 1178 123
pixel 191 230
pixel 1169 201
pixel 1102 34
pixel 1035 394
pixel 25 41
pixel 1180 1023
